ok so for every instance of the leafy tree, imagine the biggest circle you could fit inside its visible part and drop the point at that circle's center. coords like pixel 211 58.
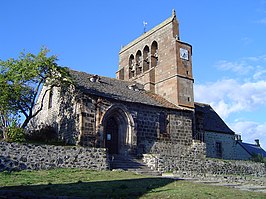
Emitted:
pixel 20 82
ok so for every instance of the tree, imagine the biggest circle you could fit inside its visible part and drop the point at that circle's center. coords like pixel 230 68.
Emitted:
pixel 20 83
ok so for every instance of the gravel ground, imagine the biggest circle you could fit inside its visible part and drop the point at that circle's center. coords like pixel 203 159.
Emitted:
pixel 247 183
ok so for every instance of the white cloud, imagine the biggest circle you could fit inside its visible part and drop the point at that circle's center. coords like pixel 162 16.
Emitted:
pixel 250 131
pixel 260 74
pixel 240 67
pixel 245 66
pixel 261 21
pixel 261 58
pixel 230 96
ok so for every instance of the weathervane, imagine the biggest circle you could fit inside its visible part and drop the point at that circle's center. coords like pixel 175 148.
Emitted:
pixel 145 24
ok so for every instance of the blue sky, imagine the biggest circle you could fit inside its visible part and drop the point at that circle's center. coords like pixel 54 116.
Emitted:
pixel 228 39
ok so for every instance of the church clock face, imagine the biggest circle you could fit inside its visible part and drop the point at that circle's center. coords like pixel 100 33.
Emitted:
pixel 183 53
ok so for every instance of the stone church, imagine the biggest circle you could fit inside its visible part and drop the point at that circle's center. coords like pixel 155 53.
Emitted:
pixel 148 109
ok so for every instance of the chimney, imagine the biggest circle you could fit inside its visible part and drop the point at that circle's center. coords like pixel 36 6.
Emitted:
pixel 238 137
pixel 257 142
pixel 95 78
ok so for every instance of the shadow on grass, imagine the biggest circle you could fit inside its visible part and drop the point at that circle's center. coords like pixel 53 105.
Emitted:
pixel 132 188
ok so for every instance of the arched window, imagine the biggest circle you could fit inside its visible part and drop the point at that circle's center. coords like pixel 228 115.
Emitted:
pixel 154 54
pixel 138 63
pixel 131 66
pixel 50 101
pixel 146 58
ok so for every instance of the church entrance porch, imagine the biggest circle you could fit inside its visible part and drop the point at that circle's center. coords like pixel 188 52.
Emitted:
pixel 118 130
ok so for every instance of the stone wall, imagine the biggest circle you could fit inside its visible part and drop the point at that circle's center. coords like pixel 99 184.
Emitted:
pixel 191 161
pixel 169 157
pixel 14 156
pixel 60 113
pixel 184 161
pixel 226 141
pixel 231 148
pixel 155 125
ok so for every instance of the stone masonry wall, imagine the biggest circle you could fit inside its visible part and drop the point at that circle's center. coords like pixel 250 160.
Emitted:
pixel 14 156
pixel 151 131
pixel 185 162
pixel 192 161
pixel 60 115
pixel 170 75
pixel 227 142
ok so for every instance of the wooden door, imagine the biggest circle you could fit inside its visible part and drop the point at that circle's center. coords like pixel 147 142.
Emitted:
pixel 111 136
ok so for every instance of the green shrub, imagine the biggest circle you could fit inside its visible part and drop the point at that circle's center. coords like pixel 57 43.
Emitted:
pixel 15 133
pixel 258 158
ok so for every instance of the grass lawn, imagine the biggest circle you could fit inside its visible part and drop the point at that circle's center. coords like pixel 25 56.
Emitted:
pixel 112 184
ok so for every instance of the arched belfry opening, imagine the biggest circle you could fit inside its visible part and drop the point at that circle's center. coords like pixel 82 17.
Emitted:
pixel 119 136
pixel 146 58
pixel 138 63
pixel 132 66
pixel 154 54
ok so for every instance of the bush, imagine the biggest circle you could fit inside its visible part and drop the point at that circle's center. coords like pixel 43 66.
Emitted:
pixel 15 134
pixel 258 158
pixel 44 135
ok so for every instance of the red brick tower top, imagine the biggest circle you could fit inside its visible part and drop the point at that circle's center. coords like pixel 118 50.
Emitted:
pixel 160 61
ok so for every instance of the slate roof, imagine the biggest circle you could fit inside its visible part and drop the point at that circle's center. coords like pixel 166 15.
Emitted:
pixel 252 148
pixel 118 90
pixel 212 121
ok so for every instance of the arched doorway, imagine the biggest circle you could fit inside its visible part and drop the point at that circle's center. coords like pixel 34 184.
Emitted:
pixel 118 130
pixel 111 135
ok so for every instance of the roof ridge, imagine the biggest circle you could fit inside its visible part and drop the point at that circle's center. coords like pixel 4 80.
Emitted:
pixel 148 33
pixel 202 103
pixel 90 74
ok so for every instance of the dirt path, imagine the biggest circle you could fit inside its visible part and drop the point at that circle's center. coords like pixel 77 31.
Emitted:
pixel 247 183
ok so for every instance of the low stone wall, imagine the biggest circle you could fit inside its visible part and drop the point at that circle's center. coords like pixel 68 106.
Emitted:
pixel 191 161
pixel 234 167
pixel 14 156
pixel 169 157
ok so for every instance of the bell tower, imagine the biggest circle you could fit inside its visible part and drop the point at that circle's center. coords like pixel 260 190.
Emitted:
pixel 160 61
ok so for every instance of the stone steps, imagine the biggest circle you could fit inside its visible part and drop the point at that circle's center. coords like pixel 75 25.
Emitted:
pixel 129 163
